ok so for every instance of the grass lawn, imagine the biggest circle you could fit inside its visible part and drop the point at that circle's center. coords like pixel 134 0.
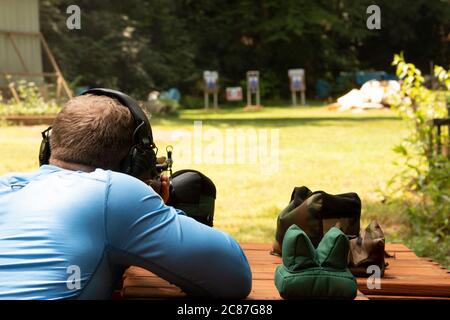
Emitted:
pixel 324 150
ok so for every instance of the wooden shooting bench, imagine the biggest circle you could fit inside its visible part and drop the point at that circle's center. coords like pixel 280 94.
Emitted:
pixel 406 277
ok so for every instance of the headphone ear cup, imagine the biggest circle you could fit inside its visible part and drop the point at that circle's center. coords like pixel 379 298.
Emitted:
pixel 140 162
pixel 126 164
pixel 44 152
pixel 151 162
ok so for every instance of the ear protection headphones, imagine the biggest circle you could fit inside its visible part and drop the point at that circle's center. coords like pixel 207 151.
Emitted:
pixel 141 159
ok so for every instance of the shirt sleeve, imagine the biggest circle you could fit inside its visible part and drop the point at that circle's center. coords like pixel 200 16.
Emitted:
pixel 141 230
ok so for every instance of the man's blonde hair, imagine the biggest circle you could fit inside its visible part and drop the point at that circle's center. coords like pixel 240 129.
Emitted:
pixel 92 130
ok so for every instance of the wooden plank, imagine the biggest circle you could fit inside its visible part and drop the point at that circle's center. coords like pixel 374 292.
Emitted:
pixel 154 288
pixel 415 272
pixel 256 246
pixel 407 288
pixel 153 293
pixel 29 120
pixel 147 282
pixel 30 74
pixel 394 247
pixel 405 255
pixel 394 263
pixel 397 247
pixel 407 277
pixel 385 297
pixel 20 33
pixel 262 289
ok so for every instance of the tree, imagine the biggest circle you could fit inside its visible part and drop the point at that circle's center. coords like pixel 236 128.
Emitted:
pixel 135 46
pixel 141 45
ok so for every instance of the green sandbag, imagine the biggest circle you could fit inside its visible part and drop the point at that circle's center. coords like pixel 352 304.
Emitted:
pixel 308 273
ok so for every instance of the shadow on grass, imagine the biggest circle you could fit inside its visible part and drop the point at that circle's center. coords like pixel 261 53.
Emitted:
pixel 273 121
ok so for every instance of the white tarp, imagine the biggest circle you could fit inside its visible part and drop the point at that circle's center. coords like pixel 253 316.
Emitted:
pixel 373 94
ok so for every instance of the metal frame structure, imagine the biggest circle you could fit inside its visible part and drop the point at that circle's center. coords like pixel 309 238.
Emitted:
pixel 61 83
pixel 213 91
pixel 251 90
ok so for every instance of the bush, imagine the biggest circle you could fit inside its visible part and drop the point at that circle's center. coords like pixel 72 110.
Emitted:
pixel 424 179
pixel 192 102
pixel 161 106
pixel 31 102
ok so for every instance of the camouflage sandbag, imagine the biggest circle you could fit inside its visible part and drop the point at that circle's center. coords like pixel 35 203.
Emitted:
pixel 366 250
pixel 309 273
pixel 316 212
pixel 299 194
pixel 195 194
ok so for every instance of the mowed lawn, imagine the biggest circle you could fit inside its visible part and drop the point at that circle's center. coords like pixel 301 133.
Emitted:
pixel 325 150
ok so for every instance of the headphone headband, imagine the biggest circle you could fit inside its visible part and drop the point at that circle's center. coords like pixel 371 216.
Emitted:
pixel 141 159
pixel 143 132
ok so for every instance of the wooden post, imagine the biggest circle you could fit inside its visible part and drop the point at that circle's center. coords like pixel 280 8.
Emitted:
pixel 294 98
pixel 215 99
pixel 14 92
pixel 206 100
pixel 297 84
pixel 438 140
pixel 55 66
pixel 12 88
pixel 253 87
pixel 210 86
pixel 58 87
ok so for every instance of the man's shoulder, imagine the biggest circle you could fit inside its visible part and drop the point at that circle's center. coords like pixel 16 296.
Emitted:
pixel 124 185
pixel 95 180
pixel 115 181
pixel 52 175
pixel 118 178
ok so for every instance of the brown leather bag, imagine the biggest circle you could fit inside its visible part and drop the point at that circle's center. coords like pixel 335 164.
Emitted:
pixel 368 249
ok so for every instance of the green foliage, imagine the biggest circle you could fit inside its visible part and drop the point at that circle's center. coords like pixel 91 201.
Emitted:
pixel 274 36
pixel 427 244
pixel 143 45
pixel 424 177
pixel 161 106
pixel 31 102
pixel 136 46
pixel 417 27
pixel 192 102
pixel 443 76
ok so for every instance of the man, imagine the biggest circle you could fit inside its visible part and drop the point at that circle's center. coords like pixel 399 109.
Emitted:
pixel 70 229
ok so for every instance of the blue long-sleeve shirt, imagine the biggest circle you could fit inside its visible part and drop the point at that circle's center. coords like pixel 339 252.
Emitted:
pixel 70 234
